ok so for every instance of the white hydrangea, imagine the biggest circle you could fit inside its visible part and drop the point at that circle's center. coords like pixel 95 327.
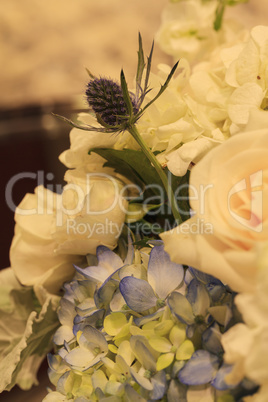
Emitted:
pixel 246 344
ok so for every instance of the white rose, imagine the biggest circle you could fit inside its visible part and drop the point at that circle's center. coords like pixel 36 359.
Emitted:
pixel 54 231
pixel 229 193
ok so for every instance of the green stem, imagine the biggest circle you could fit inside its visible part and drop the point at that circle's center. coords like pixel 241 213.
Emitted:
pixel 173 204
pixel 219 15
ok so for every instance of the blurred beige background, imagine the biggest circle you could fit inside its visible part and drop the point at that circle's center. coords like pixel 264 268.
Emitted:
pixel 45 45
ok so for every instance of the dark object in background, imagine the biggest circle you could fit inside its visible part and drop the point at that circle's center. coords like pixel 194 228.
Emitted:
pixel 31 140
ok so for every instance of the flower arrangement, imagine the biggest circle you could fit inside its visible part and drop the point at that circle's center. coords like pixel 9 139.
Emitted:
pixel 147 277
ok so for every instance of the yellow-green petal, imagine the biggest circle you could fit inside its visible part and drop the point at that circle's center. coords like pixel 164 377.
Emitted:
pixel 164 361
pixel 185 351
pixel 114 322
pixel 160 344
pixel 163 328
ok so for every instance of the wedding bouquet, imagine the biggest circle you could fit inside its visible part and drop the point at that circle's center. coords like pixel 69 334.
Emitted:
pixel 146 277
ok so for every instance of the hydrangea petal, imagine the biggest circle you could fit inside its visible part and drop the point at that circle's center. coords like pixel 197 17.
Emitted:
pixel 114 322
pixel 143 352
pixel 200 369
pixel 211 340
pixel 177 335
pixel 176 391
pixel 107 258
pixel 164 361
pixel 91 338
pixel 181 307
pixel 132 395
pixel 185 350
pixel 63 333
pixel 141 380
pixel 138 294
pixel 163 275
pixel 218 382
pixel 80 358
pixel 160 344
pixel 159 386
pixel 198 296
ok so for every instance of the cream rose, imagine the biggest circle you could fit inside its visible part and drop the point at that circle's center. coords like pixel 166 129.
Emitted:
pixel 54 231
pixel 229 193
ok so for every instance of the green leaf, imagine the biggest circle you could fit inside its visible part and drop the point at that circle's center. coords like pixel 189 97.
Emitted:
pixel 183 194
pixel 162 89
pixel 132 164
pixel 126 95
pixel 140 67
pixel 148 69
pixel 143 242
pixel 137 211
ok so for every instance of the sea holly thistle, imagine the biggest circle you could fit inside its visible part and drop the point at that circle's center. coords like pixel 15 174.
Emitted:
pixel 117 110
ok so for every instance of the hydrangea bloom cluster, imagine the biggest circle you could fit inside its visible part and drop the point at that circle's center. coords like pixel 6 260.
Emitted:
pixel 141 328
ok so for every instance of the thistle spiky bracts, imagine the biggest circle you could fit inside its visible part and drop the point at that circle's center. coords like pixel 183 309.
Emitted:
pixel 106 99
pixel 115 107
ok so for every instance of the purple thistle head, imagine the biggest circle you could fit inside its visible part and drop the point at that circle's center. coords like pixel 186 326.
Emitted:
pixel 106 99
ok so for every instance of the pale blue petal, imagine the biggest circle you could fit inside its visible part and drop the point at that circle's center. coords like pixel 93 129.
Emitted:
pixel 94 273
pixel 107 258
pixel 198 296
pixel 218 382
pixel 143 352
pixel 211 340
pixel 176 392
pixel 180 306
pixel 63 333
pixel 66 312
pixel 62 382
pixel 204 278
pixel 163 275
pixel 138 294
pixel 159 384
pixel 95 319
pixel 216 290
pixel 91 338
pixel 200 369
pixel 132 395
pixel 105 293
pixel 108 262
pixel 130 252
pixel 147 318
pixel 141 380
pixel 86 306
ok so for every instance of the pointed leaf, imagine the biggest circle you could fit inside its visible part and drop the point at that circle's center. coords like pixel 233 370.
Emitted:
pixel 140 67
pixel 132 164
pixel 126 95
